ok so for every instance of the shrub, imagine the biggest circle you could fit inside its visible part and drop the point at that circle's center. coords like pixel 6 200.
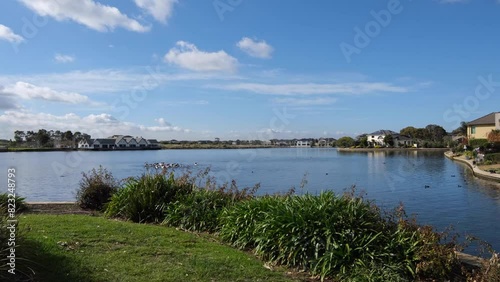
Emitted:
pixel 240 221
pixel 493 158
pixel 146 198
pixel 22 271
pixel 96 189
pixel 200 210
pixel 345 238
pixel 475 143
pixel 19 201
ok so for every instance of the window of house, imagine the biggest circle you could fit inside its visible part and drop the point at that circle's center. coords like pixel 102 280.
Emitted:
pixel 473 130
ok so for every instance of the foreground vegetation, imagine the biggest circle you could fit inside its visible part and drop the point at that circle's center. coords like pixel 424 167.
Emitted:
pixel 339 237
pixel 86 248
pixel 326 236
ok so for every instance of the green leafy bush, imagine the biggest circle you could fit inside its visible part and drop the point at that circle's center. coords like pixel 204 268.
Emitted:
pixel 19 201
pixel 475 143
pixel 96 189
pixel 23 273
pixel 146 198
pixel 493 158
pixel 342 237
pixel 200 210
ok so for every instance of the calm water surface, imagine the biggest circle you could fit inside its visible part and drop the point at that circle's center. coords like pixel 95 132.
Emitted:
pixel 454 196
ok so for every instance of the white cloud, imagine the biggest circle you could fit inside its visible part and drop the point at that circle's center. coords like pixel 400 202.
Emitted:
pixel 163 126
pixel 162 122
pixel 97 125
pixel 161 10
pixel 29 91
pixel 254 48
pixel 187 56
pixel 313 88
pixel 7 34
pixel 89 13
pixel 60 58
pixel 305 102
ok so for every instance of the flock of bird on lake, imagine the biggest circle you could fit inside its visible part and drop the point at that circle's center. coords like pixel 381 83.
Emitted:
pixel 162 165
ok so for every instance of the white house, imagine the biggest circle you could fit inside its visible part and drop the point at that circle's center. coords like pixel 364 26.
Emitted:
pixel 303 143
pixel 377 137
pixel 85 144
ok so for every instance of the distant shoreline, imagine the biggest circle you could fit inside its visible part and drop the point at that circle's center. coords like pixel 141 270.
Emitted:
pixel 476 171
pixel 389 149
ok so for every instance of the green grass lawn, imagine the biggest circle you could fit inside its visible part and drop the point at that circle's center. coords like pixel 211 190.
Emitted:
pixel 87 248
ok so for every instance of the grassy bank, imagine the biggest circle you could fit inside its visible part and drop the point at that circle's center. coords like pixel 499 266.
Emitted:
pixel 85 248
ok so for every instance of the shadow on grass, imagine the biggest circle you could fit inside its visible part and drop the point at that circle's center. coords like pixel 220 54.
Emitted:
pixel 43 265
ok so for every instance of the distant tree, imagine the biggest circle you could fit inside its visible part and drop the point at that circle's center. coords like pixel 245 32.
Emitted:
pixel 345 142
pixel 435 133
pixel 68 135
pixel 43 137
pixel 389 140
pixel 462 130
pixel 409 131
pixel 19 136
pixel 30 136
pixel 421 133
pixel 363 141
pixel 494 136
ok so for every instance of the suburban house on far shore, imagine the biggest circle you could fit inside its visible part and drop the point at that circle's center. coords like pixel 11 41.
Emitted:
pixel 118 142
pixel 481 127
pixel 377 138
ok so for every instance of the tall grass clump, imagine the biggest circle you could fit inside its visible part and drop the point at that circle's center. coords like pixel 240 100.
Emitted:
pixel 19 201
pixel 146 198
pixel 200 210
pixel 22 271
pixel 342 237
pixel 96 188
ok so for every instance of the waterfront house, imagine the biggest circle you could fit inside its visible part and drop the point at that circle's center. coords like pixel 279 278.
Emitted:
pixel 325 142
pixel 303 143
pixel 153 143
pixel 377 137
pixel 121 142
pixel 85 143
pixel 481 127
pixel 402 141
pixel 104 143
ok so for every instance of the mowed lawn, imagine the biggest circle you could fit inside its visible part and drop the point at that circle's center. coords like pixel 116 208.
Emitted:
pixel 92 248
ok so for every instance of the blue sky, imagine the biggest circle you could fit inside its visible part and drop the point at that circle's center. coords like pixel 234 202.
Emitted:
pixel 241 69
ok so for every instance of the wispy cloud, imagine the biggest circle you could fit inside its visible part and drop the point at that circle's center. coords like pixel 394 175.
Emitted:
pixel 29 91
pixel 60 58
pixel 305 102
pixel 255 48
pixel 89 13
pixel 187 56
pixel 313 88
pixel 112 80
pixel 161 10
pixel 98 125
pixel 7 34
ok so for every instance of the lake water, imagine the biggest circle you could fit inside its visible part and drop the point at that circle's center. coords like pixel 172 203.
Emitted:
pixel 454 197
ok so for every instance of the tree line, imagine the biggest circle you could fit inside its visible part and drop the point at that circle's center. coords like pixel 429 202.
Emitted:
pixel 48 138
pixel 431 136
